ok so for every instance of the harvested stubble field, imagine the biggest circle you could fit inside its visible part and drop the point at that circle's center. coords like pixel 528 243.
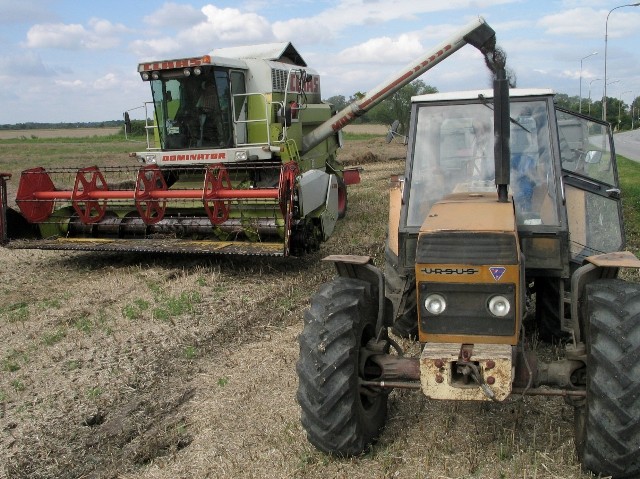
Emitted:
pixel 140 366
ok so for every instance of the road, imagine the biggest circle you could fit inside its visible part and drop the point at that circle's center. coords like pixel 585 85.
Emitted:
pixel 628 144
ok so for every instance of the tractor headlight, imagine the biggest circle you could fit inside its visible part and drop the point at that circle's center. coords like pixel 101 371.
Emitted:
pixel 499 306
pixel 435 304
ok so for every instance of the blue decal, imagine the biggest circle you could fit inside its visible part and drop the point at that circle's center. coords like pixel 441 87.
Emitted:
pixel 497 272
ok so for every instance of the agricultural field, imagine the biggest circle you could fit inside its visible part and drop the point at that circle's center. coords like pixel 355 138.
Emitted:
pixel 146 366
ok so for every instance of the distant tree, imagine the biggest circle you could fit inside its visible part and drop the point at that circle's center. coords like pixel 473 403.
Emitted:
pixel 569 102
pixel 137 128
pixel 338 101
pixel 398 105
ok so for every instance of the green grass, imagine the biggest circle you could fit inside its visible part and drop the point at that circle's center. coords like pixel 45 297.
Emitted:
pixel 16 312
pixel 53 337
pixel 177 305
pixel 629 175
pixel 359 136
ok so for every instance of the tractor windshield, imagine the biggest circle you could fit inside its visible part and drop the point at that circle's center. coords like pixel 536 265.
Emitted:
pixel 453 152
pixel 193 111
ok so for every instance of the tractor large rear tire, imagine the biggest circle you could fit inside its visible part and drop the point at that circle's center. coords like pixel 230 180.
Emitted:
pixel 608 425
pixel 340 417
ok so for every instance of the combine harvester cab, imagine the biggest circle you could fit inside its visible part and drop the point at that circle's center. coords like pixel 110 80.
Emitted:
pixel 223 171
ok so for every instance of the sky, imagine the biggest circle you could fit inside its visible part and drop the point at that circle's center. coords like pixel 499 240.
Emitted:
pixel 76 61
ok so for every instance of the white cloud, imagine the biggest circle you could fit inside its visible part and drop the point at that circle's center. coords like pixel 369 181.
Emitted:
pixel 107 82
pixel 229 25
pixel 219 27
pixel 100 34
pixel 590 23
pixel 155 48
pixel 21 65
pixel 174 15
pixel 383 50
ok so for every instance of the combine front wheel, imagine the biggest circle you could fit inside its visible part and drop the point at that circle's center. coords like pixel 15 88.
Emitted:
pixel 340 416
pixel 607 427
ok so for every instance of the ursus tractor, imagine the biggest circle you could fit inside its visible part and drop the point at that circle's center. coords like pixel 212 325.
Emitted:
pixel 508 204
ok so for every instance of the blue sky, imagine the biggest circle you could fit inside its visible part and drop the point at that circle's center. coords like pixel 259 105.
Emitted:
pixel 70 60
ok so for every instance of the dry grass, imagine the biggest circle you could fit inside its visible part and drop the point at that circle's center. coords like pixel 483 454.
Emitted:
pixel 58 133
pixel 137 366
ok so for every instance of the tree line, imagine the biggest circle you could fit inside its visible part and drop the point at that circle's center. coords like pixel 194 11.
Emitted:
pixel 398 107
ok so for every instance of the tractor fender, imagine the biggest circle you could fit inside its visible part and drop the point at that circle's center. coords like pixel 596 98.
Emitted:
pixel 595 267
pixel 361 267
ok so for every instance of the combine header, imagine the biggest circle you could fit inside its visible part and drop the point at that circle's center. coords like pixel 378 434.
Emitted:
pixel 240 159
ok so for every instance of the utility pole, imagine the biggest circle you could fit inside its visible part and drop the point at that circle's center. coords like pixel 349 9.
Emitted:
pixel 606 34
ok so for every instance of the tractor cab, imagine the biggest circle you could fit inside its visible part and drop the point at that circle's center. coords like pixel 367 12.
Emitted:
pixel 556 174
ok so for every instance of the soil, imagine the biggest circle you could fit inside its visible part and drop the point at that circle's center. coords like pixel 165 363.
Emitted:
pixel 146 366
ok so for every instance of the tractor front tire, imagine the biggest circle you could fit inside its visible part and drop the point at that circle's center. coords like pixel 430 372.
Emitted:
pixel 340 417
pixel 607 426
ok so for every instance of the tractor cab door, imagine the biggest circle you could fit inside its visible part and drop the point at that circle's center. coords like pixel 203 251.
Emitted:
pixel 590 178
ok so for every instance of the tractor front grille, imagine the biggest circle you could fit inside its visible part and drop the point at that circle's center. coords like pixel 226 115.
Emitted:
pixel 467 311
pixel 467 248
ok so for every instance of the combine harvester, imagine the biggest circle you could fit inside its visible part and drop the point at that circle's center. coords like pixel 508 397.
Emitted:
pixel 243 162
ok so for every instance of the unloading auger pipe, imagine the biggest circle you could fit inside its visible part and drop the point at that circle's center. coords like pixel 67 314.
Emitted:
pixel 477 33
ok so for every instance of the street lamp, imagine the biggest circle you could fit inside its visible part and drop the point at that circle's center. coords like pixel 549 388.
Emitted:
pixel 583 58
pixel 590 83
pixel 620 105
pixel 606 34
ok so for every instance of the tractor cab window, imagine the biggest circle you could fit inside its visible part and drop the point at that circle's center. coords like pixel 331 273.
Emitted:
pixel 193 111
pixel 453 153
pixel 589 173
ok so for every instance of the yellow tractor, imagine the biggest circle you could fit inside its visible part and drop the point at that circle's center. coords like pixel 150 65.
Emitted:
pixel 507 201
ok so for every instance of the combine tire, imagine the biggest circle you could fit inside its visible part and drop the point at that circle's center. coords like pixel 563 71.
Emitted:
pixel 608 425
pixel 340 417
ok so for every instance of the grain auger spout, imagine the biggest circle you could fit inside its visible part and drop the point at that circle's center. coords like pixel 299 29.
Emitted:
pixel 241 159
pixel 477 33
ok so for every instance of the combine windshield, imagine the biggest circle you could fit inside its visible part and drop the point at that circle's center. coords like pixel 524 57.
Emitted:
pixel 193 111
pixel 453 153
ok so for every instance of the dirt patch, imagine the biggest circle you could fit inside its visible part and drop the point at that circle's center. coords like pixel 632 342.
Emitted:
pixel 140 366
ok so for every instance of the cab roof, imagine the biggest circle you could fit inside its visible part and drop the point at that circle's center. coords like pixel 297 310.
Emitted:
pixel 283 52
pixel 474 94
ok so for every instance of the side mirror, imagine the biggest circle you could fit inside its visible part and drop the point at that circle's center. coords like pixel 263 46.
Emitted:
pixel 393 132
pixel 593 157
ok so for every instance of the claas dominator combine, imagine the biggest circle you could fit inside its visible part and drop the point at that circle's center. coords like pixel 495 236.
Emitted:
pixel 507 202
pixel 242 161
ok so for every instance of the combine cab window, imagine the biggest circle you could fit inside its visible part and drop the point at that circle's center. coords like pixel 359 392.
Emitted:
pixel 194 111
pixel 453 152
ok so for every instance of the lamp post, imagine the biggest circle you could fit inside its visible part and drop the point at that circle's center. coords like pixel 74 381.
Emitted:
pixel 606 34
pixel 581 60
pixel 620 106
pixel 590 83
